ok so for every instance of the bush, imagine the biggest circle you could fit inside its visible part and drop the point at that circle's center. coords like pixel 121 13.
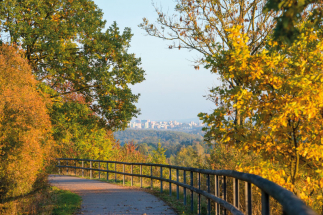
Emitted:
pixel 25 128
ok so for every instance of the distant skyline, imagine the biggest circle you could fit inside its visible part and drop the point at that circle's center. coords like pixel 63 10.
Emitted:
pixel 194 119
pixel 173 89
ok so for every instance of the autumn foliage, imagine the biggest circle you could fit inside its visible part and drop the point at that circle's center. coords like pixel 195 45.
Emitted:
pixel 68 88
pixel 70 49
pixel 269 102
pixel 25 127
pixel 279 101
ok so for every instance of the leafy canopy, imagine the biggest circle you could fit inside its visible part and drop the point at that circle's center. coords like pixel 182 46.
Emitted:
pixel 280 104
pixel 68 49
pixel 293 12
pixel 77 132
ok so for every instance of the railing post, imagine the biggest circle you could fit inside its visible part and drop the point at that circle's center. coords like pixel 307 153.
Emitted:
pixel 161 176
pixel 192 197
pixel 75 168
pixel 225 192
pixel 107 171
pixel 82 168
pixel 151 179
pixel 91 170
pixel 208 190
pixel 236 192
pixel 217 194
pixel 66 167
pixel 170 184
pixel 99 171
pixel 264 203
pixel 123 175
pixel 59 168
pixel 199 195
pixel 184 175
pixel 248 199
pixel 140 176
pixel 177 186
pixel 131 176
pixel 115 170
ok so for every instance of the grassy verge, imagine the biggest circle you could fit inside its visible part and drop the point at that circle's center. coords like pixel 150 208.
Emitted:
pixel 65 202
pixel 177 205
pixel 46 201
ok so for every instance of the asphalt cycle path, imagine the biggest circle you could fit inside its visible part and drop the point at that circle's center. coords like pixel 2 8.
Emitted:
pixel 104 198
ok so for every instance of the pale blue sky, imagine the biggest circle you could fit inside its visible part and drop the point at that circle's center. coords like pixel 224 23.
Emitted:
pixel 173 89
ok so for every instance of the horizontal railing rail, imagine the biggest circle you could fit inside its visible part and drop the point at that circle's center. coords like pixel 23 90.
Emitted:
pixel 290 203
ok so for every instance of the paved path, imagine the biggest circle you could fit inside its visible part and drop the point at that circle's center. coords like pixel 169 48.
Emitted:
pixel 104 198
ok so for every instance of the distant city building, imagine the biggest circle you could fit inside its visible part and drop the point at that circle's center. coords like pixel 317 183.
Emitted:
pixel 131 124
pixel 147 124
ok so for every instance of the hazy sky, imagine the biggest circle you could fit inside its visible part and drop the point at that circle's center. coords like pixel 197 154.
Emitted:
pixel 173 89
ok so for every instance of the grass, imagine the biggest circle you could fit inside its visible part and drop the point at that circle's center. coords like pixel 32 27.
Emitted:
pixel 66 202
pixel 177 205
pixel 46 201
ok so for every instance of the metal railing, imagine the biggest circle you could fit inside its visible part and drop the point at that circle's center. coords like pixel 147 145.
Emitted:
pixel 290 203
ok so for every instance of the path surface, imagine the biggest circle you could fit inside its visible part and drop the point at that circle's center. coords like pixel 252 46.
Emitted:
pixel 104 198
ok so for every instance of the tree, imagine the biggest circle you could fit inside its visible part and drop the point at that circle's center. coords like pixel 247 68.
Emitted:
pixel 292 13
pixel 280 101
pixel 158 155
pixel 202 25
pixel 128 153
pixel 143 148
pixel 189 156
pixel 67 49
pixel 25 128
pixel 269 100
pixel 77 132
